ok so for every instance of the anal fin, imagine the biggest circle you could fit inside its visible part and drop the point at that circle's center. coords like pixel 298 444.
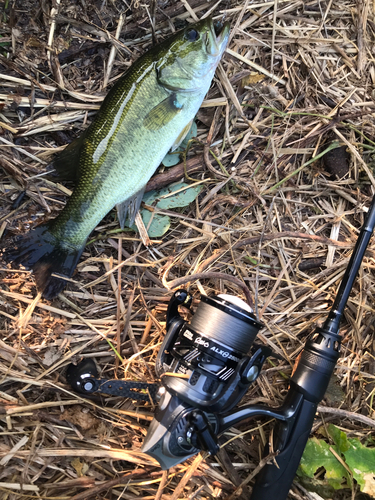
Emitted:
pixel 129 207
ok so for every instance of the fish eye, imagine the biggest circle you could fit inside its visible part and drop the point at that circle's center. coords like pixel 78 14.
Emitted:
pixel 192 35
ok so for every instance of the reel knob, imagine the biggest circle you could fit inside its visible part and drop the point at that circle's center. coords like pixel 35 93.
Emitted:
pixel 83 377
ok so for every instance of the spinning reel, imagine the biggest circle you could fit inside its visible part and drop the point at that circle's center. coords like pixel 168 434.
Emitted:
pixel 205 367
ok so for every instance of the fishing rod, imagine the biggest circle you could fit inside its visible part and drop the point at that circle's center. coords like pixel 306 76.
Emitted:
pixel 206 366
pixel 309 383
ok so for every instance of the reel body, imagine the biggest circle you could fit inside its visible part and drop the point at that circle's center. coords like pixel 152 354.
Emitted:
pixel 205 368
pixel 196 365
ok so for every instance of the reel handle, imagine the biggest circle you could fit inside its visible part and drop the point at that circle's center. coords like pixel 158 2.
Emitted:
pixel 84 379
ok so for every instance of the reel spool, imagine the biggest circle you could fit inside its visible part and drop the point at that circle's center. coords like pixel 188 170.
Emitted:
pixel 198 361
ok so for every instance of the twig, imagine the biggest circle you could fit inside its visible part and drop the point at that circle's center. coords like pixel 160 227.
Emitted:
pixel 107 485
pixel 210 275
pixel 188 474
pixel 347 414
pixel 112 54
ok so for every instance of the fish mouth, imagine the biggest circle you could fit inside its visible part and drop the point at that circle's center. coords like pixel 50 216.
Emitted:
pixel 220 32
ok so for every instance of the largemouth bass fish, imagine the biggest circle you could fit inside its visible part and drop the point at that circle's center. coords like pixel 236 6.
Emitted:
pixel 144 115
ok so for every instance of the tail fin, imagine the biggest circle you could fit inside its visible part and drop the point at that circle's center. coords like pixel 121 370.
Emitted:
pixel 40 251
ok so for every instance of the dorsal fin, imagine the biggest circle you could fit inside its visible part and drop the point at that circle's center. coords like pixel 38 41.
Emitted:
pixel 66 163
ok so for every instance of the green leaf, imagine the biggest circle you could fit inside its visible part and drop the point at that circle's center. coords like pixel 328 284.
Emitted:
pixel 166 199
pixel 251 260
pixel 171 159
pixel 317 454
pixel 192 133
pixel 159 225
pixel 4 44
pixel 361 461
pixel 339 437
pixel 322 488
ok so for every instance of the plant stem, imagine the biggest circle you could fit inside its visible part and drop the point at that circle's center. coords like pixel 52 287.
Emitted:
pixel 333 145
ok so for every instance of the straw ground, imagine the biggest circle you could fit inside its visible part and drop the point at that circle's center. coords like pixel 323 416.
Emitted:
pixel 274 224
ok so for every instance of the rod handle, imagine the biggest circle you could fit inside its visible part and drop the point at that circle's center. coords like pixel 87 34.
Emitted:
pixel 274 482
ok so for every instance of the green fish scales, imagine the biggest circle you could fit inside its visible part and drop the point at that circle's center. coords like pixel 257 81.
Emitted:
pixel 145 114
pixel 125 158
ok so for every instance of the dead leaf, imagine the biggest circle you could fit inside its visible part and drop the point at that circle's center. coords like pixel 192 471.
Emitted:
pixel 369 487
pixel 79 416
pixel 80 467
pixel 51 356
pixel 252 79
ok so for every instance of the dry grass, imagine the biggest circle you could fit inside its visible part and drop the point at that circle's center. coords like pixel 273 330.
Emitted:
pixel 297 76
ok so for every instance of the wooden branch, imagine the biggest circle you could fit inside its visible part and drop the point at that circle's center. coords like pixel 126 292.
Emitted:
pixel 176 173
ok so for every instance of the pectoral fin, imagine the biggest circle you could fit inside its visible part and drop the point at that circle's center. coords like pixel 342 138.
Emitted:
pixel 163 113
pixel 129 207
